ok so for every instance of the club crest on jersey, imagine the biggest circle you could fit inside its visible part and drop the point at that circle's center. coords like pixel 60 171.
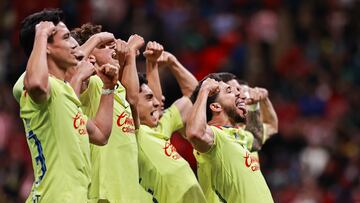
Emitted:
pixel 170 151
pixel 79 124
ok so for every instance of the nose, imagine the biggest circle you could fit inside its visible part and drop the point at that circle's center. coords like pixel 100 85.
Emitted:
pixel 156 103
pixel 74 43
pixel 244 94
pixel 79 55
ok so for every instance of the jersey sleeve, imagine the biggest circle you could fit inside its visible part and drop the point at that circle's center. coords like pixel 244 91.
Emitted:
pixel 90 98
pixel 171 121
pixel 19 88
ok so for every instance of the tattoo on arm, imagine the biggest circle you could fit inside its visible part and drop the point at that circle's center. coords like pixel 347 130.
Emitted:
pixel 255 126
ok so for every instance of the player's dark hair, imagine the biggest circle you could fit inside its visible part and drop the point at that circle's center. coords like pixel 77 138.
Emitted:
pixel 211 99
pixel 83 33
pixel 27 27
pixel 142 80
pixel 226 77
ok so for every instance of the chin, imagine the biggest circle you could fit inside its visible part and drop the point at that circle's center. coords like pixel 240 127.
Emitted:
pixel 152 125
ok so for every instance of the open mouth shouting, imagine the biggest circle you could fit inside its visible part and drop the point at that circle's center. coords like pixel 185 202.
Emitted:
pixel 240 104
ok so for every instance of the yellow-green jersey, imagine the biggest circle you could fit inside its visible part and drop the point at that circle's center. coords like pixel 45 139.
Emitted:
pixel 230 170
pixel 115 171
pixel 163 172
pixel 265 137
pixel 59 144
pixel 18 88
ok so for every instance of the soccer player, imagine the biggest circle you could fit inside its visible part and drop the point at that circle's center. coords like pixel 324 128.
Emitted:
pixel 163 172
pixel 187 83
pixel 267 111
pixel 225 165
pixel 57 132
pixel 115 176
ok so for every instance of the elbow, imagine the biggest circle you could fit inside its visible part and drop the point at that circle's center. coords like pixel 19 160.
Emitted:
pixel 276 127
pixel 35 86
pixel 192 135
pixel 104 140
pixel 105 135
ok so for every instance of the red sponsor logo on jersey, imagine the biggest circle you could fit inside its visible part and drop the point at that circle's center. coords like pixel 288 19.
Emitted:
pixel 251 162
pixel 79 124
pixel 170 151
pixel 125 123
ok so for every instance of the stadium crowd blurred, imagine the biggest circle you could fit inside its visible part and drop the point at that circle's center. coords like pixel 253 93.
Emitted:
pixel 306 53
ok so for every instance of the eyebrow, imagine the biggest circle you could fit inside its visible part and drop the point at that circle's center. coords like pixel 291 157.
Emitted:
pixel 149 95
pixel 66 34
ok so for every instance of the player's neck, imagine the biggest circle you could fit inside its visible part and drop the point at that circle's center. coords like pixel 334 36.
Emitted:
pixel 220 120
pixel 55 70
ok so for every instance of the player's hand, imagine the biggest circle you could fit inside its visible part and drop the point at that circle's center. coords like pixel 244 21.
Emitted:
pixel 255 95
pixel 135 42
pixel 104 37
pixel 84 70
pixel 109 75
pixel 166 59
pixel 45 27
pixel 122 49
pixel 153 51
pixel 210 85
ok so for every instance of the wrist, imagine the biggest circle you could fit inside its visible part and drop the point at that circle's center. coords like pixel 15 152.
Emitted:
pixel 151 61
pixel 42 34
pixel 96 39
pixel 107 91
pixel 204 91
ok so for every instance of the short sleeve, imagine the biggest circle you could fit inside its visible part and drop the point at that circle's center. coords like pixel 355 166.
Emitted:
pixel 170 121
pixel 19 88
pixel 90 98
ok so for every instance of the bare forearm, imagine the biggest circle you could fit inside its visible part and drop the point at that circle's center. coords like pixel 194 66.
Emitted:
pixel 152 75
pixel 269 117
pixel 130 79
pixel 36 77
pixel 104 116
pixel 185 79
pixel 76 84
pixel 196 125
pixel 254 125
pixel 89 45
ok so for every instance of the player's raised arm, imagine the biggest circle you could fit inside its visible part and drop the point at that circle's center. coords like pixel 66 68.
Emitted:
pixel 82 72
pixel 197 130
pixel 184 77
pixel 268 114
pixel 129 77
pixel 95 41
pixel 152 52
pixel 36 78
pixel 253 118
pixel 99 128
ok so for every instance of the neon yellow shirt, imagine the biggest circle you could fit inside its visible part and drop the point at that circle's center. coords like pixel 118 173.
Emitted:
pixel 163 172
pixel 59 145
pixel 230 171
pixel 19 87
pixel 115 175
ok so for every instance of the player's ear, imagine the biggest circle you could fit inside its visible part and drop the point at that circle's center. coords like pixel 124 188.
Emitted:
pixel 92 59
pixel 215 107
